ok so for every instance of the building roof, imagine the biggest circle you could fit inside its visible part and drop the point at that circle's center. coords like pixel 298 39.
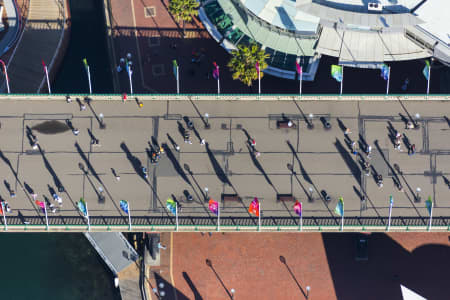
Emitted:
pixel 266 35
pixel 283 14
pixel 436 19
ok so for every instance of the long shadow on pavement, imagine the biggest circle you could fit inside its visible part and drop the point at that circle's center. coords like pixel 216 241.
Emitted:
pixel 175 163
pixel 197 295
pixel 349 161
pixel 260 168
pixel 217 167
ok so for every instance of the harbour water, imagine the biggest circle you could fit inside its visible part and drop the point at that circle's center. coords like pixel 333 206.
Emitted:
pixel 37 266
pixel 41 266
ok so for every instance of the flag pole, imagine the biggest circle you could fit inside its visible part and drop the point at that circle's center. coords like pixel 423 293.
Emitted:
pixel 390 214
pixel 129 215
pixel 259 217
pixel 87 215
pixel 178 81
pixel 89 79
pixel 4 216
pixel 301 217
pixel 218 82
pixel 6 75
pixel 131 82
pixel 48 82
pixel 218 216
pixel 342 81
pixel 259 82
pixel 46 216
pixel 387 84
pixel 176 216
pixel 429 76
pixel 342 219
pixel 301 79
pixel 431 217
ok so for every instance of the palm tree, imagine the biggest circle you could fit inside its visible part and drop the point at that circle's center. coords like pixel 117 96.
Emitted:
pixel 243 62
pixel 184 10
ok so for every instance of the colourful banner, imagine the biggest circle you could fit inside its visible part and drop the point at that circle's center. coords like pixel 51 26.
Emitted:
pixel 85 63
pixel 298 67
pixel 336 72
pixel 171 206
pixel 82 206
pixel 41 204
pixel 339 210
pixel 384 71
pixel 213 206
pixel 257 67
pixel 124 206
pixel 254 207
pixel 215 71
pixel 426 70
pixel 429 205
pixel 298 208
pixel 175 67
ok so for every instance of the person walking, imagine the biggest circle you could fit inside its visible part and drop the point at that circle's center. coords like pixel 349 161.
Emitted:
pixel 412 150
pixel 368 151
pixel 354 149
pixel 347 131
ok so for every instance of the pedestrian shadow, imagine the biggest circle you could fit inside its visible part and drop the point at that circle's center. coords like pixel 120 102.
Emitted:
pixel 406 142
pixel 284 262
pixel 446 181
pixel 341 125
pixel 260 168
pixel 181 129
pixel 209 264
pixel 217 167
pixel 403 118
pixel 448 120
pixel 135 162
pixel 362 143
pixel 175 163
pixel 302 169
pixel 52 172
pixel 392 133
pixel 197 295
pixel 394 174
pixel 351 164
pixel 87 162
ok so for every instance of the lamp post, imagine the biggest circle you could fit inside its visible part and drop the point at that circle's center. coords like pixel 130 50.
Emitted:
pixel 308 289
pixel 418 198
pixel 310 123
pixel 207 125
pixel 311 191
pixel 232 291
pixel 206 193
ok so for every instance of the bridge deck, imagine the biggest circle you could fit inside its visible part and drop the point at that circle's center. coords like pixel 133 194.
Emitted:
pixel 321 160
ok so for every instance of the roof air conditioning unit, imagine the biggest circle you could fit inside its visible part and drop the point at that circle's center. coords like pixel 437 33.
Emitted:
pixel 373 6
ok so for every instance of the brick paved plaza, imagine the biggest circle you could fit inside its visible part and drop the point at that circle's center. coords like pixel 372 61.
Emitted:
pixel 321 160
pixel 250 264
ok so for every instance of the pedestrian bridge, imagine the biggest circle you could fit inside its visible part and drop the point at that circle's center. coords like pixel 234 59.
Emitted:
pixel 298 163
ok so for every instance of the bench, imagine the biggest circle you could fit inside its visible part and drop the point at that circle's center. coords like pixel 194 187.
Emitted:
pixel 230 197
pixel 284 124
pixel 285 197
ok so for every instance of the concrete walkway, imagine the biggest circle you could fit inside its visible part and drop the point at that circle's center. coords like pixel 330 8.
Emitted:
pixel 321 159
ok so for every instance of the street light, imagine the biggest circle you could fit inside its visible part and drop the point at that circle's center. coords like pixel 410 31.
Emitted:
pixel 308 288
pixel 310 123
pixel 311 191
pixel 206 193
pixel 418 190
pixel 207 125
pixel 232 293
